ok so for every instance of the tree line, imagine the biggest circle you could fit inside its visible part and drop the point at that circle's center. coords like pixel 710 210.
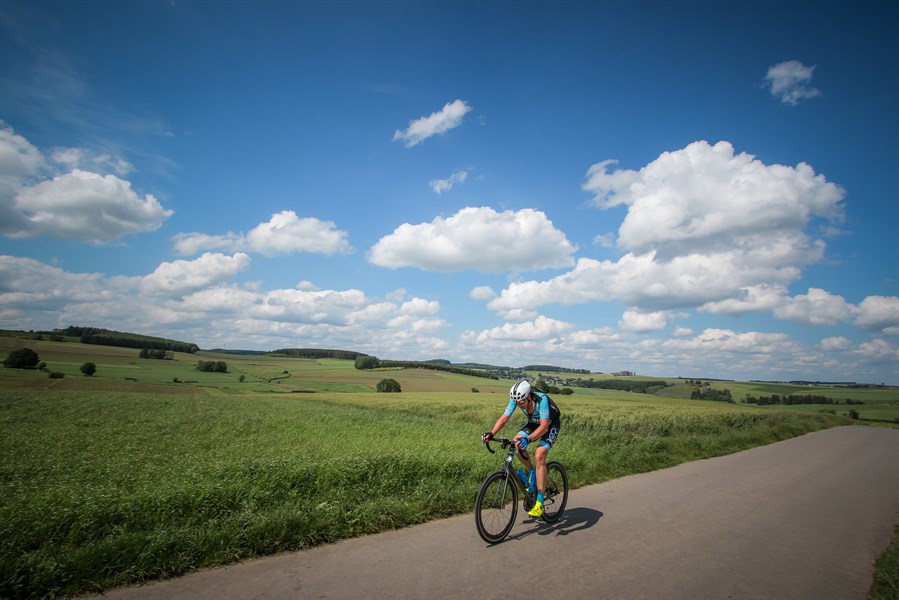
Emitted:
pixel 707 393
pixel 554 369
pixel 318 353
pixel 793 399
pixel 372 362
pixel 107 337
pixel 643 386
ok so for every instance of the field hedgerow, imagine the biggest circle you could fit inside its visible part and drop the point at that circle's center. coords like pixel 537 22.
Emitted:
pixel 104 489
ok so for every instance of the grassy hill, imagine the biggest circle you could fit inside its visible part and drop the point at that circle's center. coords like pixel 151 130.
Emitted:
pixel 120 369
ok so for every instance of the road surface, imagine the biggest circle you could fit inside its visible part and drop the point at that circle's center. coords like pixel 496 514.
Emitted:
pixel 800 519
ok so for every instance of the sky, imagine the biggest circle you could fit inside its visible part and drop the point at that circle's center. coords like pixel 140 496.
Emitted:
pixel 677 189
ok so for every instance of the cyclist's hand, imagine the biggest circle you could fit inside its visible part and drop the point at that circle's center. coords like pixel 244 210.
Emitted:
pixel 487 437
pixel 522 442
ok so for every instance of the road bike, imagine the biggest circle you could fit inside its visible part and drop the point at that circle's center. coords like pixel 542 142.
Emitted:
pixel 497 503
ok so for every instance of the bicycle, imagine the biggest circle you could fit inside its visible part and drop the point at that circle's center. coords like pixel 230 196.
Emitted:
pixel 497 503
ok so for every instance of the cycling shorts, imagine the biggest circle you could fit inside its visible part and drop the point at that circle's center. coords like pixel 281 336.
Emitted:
pixel 548 438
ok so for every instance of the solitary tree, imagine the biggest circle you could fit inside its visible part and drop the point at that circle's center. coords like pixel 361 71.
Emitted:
pixel 23 358
pixel 88 368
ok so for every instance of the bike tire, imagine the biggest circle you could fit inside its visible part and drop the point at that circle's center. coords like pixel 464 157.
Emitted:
pixel 556 496
pixel 496 508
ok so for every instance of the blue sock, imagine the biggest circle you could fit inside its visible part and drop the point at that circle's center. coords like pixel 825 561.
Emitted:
pixel 540 497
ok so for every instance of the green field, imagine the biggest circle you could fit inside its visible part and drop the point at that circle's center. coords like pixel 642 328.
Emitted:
pixel 108 481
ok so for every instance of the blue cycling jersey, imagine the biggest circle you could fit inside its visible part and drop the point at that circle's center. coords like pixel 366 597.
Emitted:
pixel 544 408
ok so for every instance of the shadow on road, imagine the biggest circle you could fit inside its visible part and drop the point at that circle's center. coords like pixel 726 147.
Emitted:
pixel 574 519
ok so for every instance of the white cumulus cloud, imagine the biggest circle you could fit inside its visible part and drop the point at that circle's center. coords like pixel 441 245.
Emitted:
pixel 87 206
pixel 879 313
pixel 483 292
pixel 183 277
pixel 284 233
pixel 540 328
pixel 20 159
pixel 706 198
pixel 640 322
pixel 836 343
pixel 449 117
pixel 476 238
pixel 817 307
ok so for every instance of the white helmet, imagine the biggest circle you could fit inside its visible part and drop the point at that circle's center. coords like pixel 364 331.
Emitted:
pixel 520 391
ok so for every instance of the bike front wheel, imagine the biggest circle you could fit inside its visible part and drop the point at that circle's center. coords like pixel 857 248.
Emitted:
pixel 556 496
pixel 496 508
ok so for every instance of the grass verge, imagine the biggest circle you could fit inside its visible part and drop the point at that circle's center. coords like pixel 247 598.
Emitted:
pixel 886 572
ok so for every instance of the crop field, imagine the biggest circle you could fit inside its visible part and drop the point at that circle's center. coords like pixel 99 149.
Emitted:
pixel 108 481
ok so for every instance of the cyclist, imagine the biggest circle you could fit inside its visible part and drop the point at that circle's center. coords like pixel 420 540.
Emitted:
pixel 542 426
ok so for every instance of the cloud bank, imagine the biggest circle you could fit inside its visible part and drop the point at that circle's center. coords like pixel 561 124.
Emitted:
pixel 705 228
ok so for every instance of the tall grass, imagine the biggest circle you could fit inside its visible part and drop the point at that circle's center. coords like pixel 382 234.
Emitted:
pixel 103 489
pixel 886 572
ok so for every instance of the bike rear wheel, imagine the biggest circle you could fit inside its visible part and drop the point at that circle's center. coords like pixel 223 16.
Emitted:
pixel 556 496
pixel 496 508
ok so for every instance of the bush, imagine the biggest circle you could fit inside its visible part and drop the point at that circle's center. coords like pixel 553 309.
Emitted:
pixel 56 375
pixel 389 385
pixel 212 366
pixel 89 368
pixel 23 358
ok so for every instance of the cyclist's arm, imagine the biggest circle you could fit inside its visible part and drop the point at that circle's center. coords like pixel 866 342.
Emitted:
pixel 500 423
pixel 504 418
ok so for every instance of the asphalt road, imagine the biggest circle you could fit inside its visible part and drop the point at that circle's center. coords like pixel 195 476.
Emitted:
pixel 802 519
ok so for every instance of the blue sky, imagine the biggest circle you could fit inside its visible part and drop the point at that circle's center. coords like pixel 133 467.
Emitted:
pixel 685 189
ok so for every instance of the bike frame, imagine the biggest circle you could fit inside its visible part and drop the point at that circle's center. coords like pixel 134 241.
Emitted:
pixel 508 469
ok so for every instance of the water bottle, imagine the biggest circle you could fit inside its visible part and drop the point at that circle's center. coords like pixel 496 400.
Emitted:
pixel 532 481
pixel 523 478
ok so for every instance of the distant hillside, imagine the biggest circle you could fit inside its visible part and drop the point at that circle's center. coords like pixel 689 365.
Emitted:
pixel 437 366
pixel 107 337
pixel 552 369
pixel 318 353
